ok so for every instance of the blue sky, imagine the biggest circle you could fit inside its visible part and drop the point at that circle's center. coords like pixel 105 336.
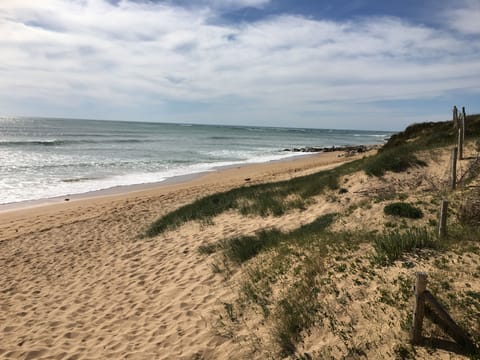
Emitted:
pixel 326 64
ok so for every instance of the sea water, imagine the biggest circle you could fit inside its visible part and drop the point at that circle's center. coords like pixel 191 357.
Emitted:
pixel 44 158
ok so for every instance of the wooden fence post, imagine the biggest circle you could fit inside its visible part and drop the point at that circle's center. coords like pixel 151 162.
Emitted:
pixel 419 308
pixel 442 226
pixel 464 123
pixel 444 320
pixel 460 144
pixel 426 305
pixel 455 117
pixel 453 177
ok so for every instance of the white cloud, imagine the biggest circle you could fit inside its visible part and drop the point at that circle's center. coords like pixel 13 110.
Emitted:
pixel 237 3
pixel 464 18
pixel 145 54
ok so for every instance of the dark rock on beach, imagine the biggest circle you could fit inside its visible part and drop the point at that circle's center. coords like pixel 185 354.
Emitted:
pixel 348 149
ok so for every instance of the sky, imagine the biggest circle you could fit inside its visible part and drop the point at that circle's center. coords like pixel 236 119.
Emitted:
pixel 358 64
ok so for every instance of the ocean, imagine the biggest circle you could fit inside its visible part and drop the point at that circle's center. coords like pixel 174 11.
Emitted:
pixel 44 158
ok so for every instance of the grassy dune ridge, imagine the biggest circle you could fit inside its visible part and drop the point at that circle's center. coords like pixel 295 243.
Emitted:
pixel 276 198
pixel 312 290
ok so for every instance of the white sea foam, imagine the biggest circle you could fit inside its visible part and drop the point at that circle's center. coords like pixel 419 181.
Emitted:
pixel 45 158
pixel 72 186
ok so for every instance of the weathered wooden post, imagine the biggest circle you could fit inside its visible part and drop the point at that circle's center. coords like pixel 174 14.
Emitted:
pixel 442 226
pixel 419 308
pixel 460 144
pixel 453 176
pixel 426 305
pixel 455 117
pixel 464 124
pixel 441 317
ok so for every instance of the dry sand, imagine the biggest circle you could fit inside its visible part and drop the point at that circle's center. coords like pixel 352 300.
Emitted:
pixel 79 283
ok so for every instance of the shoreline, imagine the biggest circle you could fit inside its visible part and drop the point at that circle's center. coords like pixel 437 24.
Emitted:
pixel 125 190
pixel 36 216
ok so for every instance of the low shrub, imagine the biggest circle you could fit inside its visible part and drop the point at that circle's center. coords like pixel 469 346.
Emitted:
pixel 404 210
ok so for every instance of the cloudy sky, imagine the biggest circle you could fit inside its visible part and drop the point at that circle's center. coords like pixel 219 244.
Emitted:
pixel 356 64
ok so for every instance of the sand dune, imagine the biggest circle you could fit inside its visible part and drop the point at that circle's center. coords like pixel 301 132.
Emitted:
pixel 78 281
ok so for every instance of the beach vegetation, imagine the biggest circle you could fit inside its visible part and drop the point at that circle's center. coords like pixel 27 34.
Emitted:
pixel 395 160
pixel 243 248
pixel 230 311
pixel 275 199
pixel 303 277
pixel 264 199
pixel 404 210
pixel 207 249
pixel 392 245
pixel 295 312
pixel 430 135
pixel 299 254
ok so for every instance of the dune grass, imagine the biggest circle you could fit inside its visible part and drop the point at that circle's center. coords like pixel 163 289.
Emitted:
pixel 277 198
pixel 392 245
pixel 243 248
pixel 293 307
pixel 301 255
pixel 262 199
pixel 395 160
pixel 295 312
pixel 300 252
pixel 433 134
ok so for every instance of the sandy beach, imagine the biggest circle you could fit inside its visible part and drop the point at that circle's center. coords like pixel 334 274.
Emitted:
pixel 79 282
pixel 241 179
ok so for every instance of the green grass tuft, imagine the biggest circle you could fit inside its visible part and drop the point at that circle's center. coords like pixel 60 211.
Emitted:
pixel 392 245
pixel 207 249
pixel 296 312
pixel 396 160
pixel 243 248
